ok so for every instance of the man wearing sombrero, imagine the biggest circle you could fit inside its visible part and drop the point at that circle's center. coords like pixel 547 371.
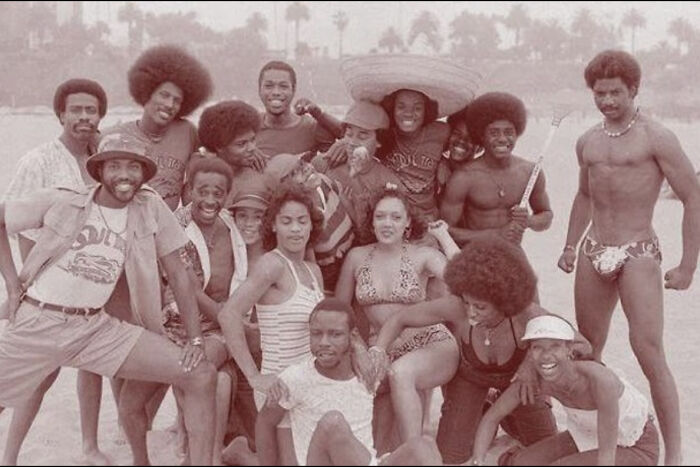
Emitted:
pixel 55 305
pixel 415 91
pixel 169 84
pixel 487 191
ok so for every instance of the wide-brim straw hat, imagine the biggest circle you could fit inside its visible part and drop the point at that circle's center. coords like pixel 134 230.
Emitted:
pixel 373 77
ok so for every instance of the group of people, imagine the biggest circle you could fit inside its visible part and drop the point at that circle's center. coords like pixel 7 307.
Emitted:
pixel 304 283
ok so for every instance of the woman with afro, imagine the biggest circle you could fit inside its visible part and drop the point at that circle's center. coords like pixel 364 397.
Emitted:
pixel 169 84
pixel 492 287
pixel 486 194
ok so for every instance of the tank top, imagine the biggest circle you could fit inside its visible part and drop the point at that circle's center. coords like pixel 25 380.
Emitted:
pixel 490 375
pixel 284 327
pixel 634 413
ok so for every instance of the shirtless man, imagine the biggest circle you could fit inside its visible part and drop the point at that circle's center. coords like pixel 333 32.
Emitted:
pixel 484 194
pixel 623 162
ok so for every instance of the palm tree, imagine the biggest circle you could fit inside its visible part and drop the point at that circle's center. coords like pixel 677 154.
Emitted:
pixel 517 20
pixel 583 28
pixel 474 36
pixel 256 22
pixel 340 19
pixel 426 23
pixel 296 13
pixel 390 40
pixel 133 17
pixel 633 20
pixel 683 31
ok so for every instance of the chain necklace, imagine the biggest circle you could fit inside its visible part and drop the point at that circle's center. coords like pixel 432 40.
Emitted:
pixel 109 227
pixel 153 137
pixel 490 331
pixel 617 134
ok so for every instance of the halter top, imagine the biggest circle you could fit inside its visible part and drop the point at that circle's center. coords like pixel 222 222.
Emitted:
pixel 406 287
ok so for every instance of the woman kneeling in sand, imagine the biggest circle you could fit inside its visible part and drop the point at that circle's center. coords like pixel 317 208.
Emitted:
pixel 608 421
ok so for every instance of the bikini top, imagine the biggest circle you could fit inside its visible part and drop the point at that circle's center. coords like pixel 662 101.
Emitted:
pixel 490 374
pixel 405 289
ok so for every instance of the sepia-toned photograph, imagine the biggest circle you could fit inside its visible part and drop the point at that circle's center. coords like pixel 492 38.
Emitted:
pixel 349 233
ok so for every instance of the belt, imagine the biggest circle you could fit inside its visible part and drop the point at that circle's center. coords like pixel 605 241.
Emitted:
pixel 63 309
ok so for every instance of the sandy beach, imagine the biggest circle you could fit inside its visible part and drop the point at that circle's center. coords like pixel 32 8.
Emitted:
pixel 55 437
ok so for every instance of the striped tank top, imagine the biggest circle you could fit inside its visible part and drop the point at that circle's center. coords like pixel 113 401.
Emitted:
pixel 284 327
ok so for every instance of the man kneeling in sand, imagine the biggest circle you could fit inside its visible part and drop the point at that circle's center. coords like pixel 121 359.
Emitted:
pixel 56 303
pixel 329 408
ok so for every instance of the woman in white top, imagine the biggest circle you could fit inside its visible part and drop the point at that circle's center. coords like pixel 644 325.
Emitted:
pixel 608 421
pixel 284 289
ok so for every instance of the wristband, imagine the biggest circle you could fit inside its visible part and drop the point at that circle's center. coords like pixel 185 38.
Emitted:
pixel 376 348
pixel 569 247
pixel 197 341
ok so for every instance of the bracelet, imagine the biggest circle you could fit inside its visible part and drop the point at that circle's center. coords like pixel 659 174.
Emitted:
pixel 569 247
pixel 376 348
pixel 197 341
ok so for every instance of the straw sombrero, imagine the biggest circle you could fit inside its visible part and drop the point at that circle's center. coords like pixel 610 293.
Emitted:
pixel 373 77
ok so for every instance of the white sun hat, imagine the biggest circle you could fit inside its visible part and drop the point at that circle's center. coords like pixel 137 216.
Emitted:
pixel 373 77
pixel 548 327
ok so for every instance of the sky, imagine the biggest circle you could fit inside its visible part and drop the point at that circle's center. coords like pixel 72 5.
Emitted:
pixel 369 19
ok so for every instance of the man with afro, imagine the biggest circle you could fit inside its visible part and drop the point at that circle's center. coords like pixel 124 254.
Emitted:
pixel 485 195
pixel 228 129
pixel 79 104
pixel 170 84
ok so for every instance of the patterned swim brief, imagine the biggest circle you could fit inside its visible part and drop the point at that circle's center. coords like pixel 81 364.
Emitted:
pixel 609 260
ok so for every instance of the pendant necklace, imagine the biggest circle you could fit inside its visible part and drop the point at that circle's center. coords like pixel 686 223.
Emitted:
pixel 617 134
pixel 501 190
pixel 490 331
pixel 153 137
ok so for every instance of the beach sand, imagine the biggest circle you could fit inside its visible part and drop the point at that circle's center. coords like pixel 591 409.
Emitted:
pixel 55 437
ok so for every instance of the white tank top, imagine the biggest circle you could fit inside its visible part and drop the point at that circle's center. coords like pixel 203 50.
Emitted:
pixel 284 327
pixel 634 413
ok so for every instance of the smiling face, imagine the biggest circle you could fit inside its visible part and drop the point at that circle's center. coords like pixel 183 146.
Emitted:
pixel 481 312
pixel 409 111
pixel 613 98
pixel 390 220
pixel 208 194
pixel 330 338
pixel 121 179
pixel 164 104
pixel 292 227
pixel 80 117
pixel 499 139
pixel 249 222
pixel 460 144
pixel 276 91
pixel 551 357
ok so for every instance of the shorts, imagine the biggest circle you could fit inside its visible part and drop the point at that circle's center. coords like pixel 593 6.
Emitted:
pixel 259 398
pixel 40 341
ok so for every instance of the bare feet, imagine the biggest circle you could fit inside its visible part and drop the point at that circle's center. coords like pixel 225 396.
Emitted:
pixel 94 457
pixel 238 453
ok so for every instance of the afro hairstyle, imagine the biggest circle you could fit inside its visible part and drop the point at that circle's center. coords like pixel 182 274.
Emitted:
pixel 77 85
pixel 613 64
pixel 169 63
pixel 494 270
pixel 491 107
pixel 209 165
pixel 221 123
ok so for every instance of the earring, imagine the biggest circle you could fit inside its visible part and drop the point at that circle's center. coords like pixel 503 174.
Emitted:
pixel 407 232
